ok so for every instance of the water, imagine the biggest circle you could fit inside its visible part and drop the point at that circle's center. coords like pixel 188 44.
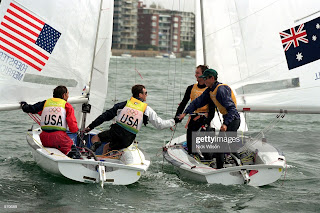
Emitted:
pixel 26 188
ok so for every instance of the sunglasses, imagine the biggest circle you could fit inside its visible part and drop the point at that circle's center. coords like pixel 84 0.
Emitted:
pixel 146 93
pixel 205 78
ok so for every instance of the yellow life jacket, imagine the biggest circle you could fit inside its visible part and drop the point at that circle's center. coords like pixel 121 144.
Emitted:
pixel 53 115
pixel 196 92
pixel 131 116
pixel 213 95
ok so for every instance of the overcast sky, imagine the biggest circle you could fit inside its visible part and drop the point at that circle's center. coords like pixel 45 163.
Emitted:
pixel 185 5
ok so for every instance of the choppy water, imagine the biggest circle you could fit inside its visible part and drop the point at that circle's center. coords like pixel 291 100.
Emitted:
pixel 27 188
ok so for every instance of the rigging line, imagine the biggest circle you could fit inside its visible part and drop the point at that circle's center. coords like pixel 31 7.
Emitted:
pixel 115 83
pixel 267 129
pixel 168 88
pixel 237 55
pixel 278 119
pixel 180 80
pixel 44 148
pixel 135 68
pixel 34 118
pixel 174 87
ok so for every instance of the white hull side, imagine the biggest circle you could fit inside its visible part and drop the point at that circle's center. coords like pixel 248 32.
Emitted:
pixel 84 170
pixel 269 167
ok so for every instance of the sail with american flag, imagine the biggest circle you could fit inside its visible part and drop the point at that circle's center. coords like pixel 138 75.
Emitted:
pixel 26 37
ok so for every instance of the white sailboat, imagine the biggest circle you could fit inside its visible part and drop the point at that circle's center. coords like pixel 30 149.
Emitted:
pixel 267 52
pixel 45 44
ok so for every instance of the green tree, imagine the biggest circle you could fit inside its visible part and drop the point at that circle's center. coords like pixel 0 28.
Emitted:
pixel 188 46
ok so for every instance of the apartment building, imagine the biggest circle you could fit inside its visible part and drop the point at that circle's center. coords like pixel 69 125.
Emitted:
pixel 134 24
pixel 125 23
pixel 159 27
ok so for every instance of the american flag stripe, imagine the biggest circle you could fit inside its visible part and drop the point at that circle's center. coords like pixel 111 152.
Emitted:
pixel 23 19
pixel 24 44
pixel 23 51
pixel 27 14
pixel 21 26
pixel 19 31
pixel 19 57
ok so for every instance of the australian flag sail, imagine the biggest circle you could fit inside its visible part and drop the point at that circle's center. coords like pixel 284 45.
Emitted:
pixel 301 43
pixel 26 37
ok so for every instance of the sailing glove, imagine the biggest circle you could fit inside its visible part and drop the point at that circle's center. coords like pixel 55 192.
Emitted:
pixel 22 103
pixel 176 120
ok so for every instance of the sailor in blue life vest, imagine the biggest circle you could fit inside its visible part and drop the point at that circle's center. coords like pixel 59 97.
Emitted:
pixel 56 114
pixel 225 101
pixel 196 122
pixel 130 115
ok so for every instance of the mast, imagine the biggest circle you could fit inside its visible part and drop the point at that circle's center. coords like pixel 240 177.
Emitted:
pixel 203 35
pixel 86 107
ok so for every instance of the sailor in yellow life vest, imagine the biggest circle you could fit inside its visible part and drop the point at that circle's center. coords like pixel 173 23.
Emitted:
pixel 196 121
pixel 224 99
pixel 56 115
pixel 129 115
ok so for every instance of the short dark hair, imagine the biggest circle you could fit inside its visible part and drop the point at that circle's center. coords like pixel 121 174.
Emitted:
pixel 203 67
pixel 136 89
pixel 59 91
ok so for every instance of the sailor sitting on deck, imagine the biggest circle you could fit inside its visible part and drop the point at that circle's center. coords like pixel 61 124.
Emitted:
pixel 56 114
pixel 129 115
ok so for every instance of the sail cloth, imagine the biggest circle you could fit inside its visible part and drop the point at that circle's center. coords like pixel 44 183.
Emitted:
pixel 266 51
pixel 54 42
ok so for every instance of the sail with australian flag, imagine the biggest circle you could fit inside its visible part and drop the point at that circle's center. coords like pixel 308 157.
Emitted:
pixel 267 51
pixel 301 43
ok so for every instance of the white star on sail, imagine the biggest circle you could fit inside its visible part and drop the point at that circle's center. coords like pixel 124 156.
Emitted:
pixel 314 37
pixel 299 56
pixel 317 25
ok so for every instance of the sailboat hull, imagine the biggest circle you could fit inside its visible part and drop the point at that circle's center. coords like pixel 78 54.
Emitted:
pixel 116 171
pixel 267 169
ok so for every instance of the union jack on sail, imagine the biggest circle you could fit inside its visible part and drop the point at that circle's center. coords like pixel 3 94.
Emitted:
pixel 293 37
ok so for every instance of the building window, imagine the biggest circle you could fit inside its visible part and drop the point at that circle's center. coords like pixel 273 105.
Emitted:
pixel 153 42
pixel 154 17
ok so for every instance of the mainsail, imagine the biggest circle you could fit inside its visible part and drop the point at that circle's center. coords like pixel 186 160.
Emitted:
pixel 48 43
pixel 267 51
